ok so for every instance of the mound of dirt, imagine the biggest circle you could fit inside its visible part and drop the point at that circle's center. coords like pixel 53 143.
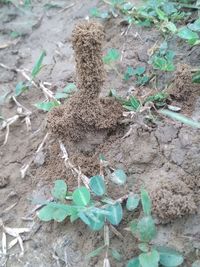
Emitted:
pixel 172 200
pixel 183 90
pixel 85 115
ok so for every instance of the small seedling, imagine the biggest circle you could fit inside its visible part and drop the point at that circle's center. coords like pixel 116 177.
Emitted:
pixel 163 58
pixel 90 204
pixel 138 73
pixel 144 230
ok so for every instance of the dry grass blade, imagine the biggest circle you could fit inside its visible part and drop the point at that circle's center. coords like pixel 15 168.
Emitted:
pixel 12 243
pixel 106 262
pixel 25 167
pixel 15 231
pixel 68 164
pixel 4 246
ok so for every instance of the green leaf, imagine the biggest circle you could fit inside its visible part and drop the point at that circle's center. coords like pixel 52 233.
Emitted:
pixel 142 80
pixel 196 263
pixel 20 88
pixel 95 222
pixel 38 65
pixel 171 27
pixel 60 189
pixel 118 177
pixel 195 26
pixel 159 63
pixel 143 247
pixel 111 56
pixel 60 214
pixel 196 77
pixel 60 95
pixel 116 213
pixel 46 213
pixel 139 71
pixel 146 228
pixel 149 259
pixel 134 263
pixel 187 34
pixel 161 14
pixel 132 202
pixel 116 255
pixel 169 257
pixel 180 118
pixel 133 226
pixel 95 253
pixel 97 185
pixel 81 196
pixel 46 106
pixel 146 202
pixel 128 73
pixel 70 88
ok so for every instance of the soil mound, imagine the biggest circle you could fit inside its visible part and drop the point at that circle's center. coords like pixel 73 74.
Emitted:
pixel 183 90
pixel 172 200
pixel 85 115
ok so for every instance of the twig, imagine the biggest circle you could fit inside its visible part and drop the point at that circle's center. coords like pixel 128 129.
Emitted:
pixel 68 164
pixel 67 7
pixel 25 167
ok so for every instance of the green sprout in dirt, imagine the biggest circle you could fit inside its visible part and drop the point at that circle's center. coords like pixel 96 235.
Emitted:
pixel 163 14
pixel 110 59
pixel 157 102
pixel 144 230
pixel 23 86
pixel 138 73
pixel 190 33
pixel 89 203
pixel 163 58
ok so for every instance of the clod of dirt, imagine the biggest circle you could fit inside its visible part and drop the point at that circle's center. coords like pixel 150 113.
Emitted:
pixel 183 90
pixel 4 181
pixel 84 116
pixel 172 200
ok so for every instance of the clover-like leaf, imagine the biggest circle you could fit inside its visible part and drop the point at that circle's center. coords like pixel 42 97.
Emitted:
pixel 169 257
pixel 81 196
pixel 115 213
pixel 60 189
pixel 118 177
pixel 97 185
pixel 132 202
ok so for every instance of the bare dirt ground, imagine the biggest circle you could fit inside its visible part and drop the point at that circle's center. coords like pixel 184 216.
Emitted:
pixel 164 158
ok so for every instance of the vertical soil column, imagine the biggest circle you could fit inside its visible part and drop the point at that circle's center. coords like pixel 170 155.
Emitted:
pixel 87 41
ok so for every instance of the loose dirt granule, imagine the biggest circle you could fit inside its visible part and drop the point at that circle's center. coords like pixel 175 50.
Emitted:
pixel 171 200
pixel 85 112
pixel 183 90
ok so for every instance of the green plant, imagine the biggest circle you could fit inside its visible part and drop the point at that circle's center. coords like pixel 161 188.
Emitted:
pixel 189 33
pixel 23 86
pixel 163 14
pixel 144 230
pixel 88 203
pixel 162 59
pixel 138 73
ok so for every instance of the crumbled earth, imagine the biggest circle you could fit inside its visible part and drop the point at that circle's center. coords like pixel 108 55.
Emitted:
pixel 171 200
pixel 164 159
pixel 183 91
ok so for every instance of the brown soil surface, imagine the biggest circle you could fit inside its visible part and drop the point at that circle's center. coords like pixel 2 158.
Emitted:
pixel 164 159
pixel 183 91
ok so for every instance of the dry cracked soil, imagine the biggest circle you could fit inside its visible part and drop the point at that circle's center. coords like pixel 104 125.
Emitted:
pixel 164 158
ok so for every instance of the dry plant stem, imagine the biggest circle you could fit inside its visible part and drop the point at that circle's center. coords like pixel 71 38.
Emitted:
pixel 25 167
pixel 68 164
pixel 48 94
pixel 66 8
